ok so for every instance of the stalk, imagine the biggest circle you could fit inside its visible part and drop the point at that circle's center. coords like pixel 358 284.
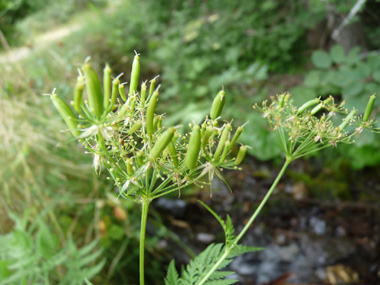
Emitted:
pixel 246 227
pixel 144 216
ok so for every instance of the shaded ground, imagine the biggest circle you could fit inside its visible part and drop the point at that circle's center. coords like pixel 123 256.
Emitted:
pixel 333 240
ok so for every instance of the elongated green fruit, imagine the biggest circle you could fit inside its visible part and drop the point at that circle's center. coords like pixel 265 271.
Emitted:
pixel 94 90
pixel 226 149
pixel 241 155
pixel 143 94
pixel 223 139
pixel 78 93
pixel 161 143
pixel 173 154
pixel 135 127
pixel 217 105
pixel 308 104
pixel 135 75
pixel 140 158
pixel 129 162
pixel 106 85
pixel 281 100
pixel 369 108
pixel 115 91
pixel 317 108
pixel 236 135
pixel 347 120
pixel 66 113
pixel 122 92
pixel 207 135
pixel 150 114
pixel 193 148
pixel 152 85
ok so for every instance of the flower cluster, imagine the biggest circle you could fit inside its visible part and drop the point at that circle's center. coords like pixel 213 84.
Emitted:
pixel 145 158
pixel 311 127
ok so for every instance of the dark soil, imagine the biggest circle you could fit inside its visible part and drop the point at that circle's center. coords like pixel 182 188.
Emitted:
pixel 321 226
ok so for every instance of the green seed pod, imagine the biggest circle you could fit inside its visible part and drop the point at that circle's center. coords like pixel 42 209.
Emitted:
pixel 140 158
pixel 161 143
pixel 143 94
pixel 133 104
pixel 94 90
pixel 66 113
pixel 150 114
pixel 308 104
pixel 135 127
pixel 115 90
pixel 281 100
pixel 78 93
pixel 217 105
pixel 152 85
pixel 129 163
pixel 226 149
pixel 135 74
pixel 223 139
pixel 159 123
pixel 106 85
pixel 155 121
pixel 209 132
pixel 122 92
pixel 173 154
pixel 369 108
pixel 347 120
pixel 236 135
pixel 193 148
pixel 317 108
pixel 241 154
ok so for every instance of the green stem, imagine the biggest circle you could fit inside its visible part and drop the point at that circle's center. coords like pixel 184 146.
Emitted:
pixel 144 216
pixel 246 227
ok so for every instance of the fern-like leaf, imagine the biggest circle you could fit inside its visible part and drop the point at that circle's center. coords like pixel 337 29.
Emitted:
pixel 172 277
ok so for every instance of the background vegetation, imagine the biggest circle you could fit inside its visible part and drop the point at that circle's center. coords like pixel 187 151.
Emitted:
pixel 255 49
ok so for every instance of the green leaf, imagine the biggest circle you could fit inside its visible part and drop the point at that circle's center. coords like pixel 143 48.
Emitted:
pixel 172 278
pixel 376 76
pixel 354 89
pixel 321 59
pixel 353 56
pixel 220 220
pixel 337 54
pixel 312 79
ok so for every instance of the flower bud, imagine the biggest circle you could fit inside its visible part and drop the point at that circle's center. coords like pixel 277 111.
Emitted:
pixel 152 85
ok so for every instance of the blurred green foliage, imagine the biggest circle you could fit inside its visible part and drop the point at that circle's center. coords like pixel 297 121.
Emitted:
pixel 253 48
